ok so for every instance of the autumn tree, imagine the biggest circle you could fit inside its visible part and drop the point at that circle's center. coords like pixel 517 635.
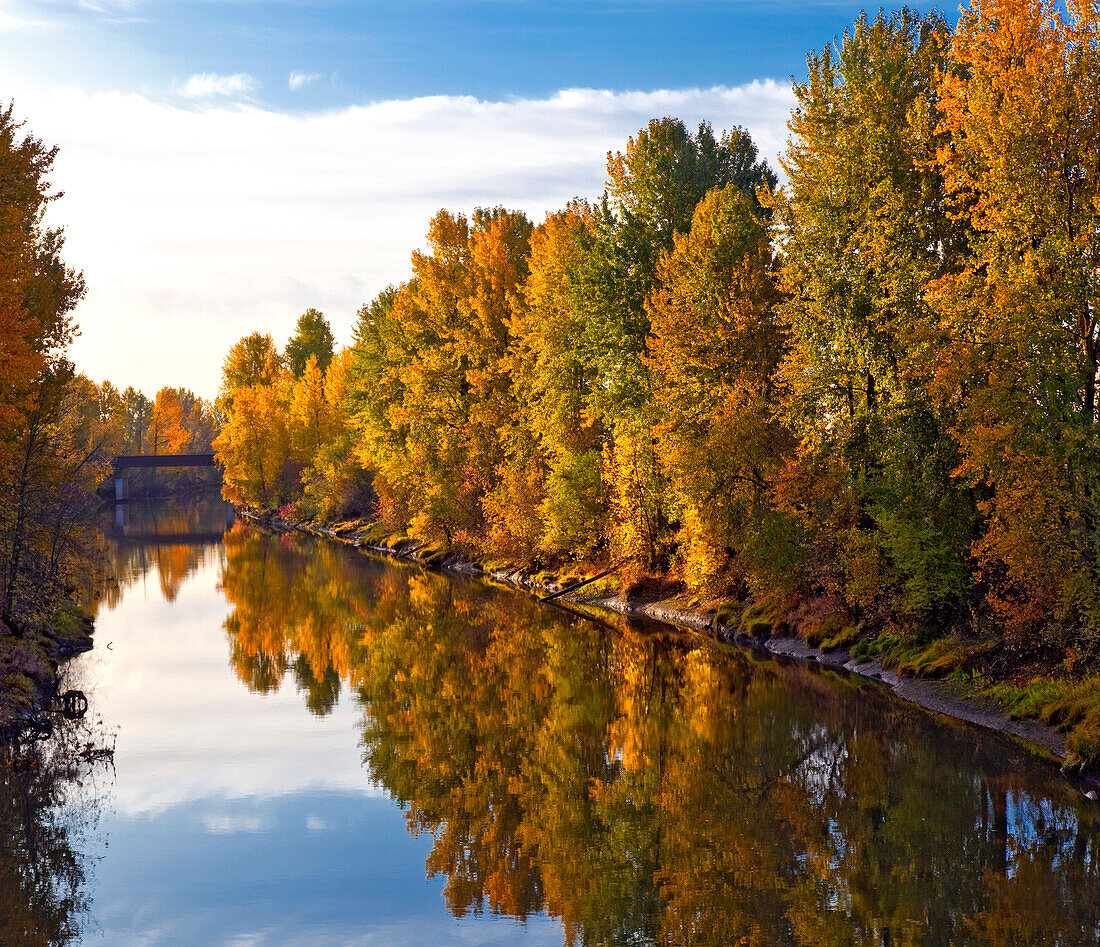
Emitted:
pixel 433 393
pixel 652 191
pixel 1018 352
pixel 554 384
pixel 254 444
pixel 38 461
pixel 716 344
pixel 255 450
pixel 252 360
pixel 335 483
pixel 864 227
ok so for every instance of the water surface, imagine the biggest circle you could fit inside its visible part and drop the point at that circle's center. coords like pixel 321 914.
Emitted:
pixel 316 746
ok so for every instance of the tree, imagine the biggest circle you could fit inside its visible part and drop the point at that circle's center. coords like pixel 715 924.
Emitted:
pixel 312 339
pixel 37 295
pixel 138 412
pixel 254 447
pixel 652 190
pixel 433 394
pixel 335 483
pixel 253 360
pixel 310 412
pixel 554 388
pixel 863 228
pixel 716 345
pixel 1020 338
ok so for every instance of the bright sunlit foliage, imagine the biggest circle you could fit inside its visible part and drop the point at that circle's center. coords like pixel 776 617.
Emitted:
pixel 872 388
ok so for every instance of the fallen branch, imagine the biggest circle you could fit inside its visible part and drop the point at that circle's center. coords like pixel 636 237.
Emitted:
pixel 585 582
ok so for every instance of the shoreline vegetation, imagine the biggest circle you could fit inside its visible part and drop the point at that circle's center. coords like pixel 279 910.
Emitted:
pixel 966 700
pixel 858 407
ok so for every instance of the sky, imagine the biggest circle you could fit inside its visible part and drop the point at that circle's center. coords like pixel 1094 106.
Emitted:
pixel 227 164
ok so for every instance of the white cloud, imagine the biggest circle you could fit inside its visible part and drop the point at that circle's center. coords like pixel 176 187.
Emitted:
pixel 204 85
pixel 197 225
pixel 11 22
pixel 299 80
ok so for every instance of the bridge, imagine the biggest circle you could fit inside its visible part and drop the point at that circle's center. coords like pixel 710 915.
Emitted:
pixel 125 462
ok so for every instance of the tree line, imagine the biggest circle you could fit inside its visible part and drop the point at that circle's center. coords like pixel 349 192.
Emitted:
pixel 872 388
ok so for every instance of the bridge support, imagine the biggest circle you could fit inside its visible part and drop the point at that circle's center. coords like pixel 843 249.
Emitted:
pixel 121 483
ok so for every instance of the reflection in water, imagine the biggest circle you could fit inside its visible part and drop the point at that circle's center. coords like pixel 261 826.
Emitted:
pixel 635 785
pixel 172 539
pixel 50 797
pixel 649 788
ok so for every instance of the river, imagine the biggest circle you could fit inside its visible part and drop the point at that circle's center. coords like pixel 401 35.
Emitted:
pixel 312 745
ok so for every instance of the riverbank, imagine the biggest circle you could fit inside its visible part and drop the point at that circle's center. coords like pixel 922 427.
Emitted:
pixel 946 677
pixel 29 665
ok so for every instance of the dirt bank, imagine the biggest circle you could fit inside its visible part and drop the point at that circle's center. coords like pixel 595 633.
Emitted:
pixel 28 667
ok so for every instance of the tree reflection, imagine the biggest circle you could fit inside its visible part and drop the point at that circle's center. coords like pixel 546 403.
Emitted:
pixel 49 806
pixel 648 788
pixel 166 538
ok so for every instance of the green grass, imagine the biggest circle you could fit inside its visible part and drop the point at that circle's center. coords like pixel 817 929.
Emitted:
pixel 757 628
pixel 1071 706
pixel 938 658
pixel 847 636
pixel 830 627
pixel 431 555
pixel 727 613
pixel 375 535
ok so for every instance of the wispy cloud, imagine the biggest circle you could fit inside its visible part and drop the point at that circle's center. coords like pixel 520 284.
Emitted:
pixel 197 225
pixel 12 22
pixel 300 79
pixel 205 85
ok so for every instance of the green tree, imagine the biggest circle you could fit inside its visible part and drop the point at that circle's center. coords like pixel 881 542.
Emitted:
pixel 312 339
pixel 864 227
pixel 554 386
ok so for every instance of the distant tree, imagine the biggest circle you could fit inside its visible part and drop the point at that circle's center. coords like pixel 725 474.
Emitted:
pixel 138 411
pixel 312 339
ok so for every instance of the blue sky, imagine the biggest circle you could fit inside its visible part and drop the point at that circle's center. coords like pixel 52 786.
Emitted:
pixel 360 51
pixel 229 164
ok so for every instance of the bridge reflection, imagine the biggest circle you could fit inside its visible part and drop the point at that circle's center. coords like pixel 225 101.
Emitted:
pixel 160 524
pixel 168 538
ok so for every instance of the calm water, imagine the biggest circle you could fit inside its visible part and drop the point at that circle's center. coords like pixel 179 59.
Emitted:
pixel 313 746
